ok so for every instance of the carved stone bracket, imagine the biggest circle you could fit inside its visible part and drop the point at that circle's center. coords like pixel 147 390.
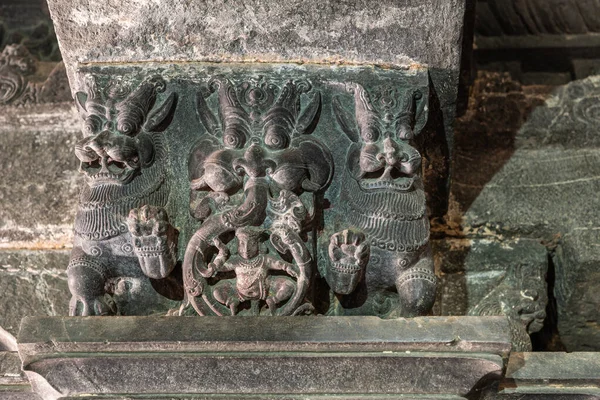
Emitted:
pixel 256 190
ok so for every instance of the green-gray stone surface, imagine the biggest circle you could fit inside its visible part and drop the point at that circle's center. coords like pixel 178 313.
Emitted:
pixel 271 357
pixel 526 166
pixel 31 283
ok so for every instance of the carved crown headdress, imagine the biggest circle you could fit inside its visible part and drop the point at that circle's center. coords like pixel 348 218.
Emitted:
pixel 254 110
pixel 387 112
pixel 120 106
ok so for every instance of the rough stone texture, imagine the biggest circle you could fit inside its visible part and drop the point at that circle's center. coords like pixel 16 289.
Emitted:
pixel 581 369
pixel 536 177
pixel 528 195
pixel 28 22
pixel 485 143
pixel 266 31
pixel 32 283
pixel 39 195
pixel 470 269
pixel 13 382
pixel 265 396
pixel 542 396
pixel 11 376
pixel 330 334
pixel 577 295
pixel 279 373
pixel 311 355
pixel 494 277
pixel 38 184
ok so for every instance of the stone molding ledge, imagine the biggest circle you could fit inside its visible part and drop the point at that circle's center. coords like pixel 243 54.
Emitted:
pixel 261 357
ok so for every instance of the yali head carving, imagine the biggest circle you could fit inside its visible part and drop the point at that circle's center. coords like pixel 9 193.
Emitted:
pixel 119 128
pixel 383 201
pixel 381 157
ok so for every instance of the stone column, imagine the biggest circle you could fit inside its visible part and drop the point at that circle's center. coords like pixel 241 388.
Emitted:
pixel 257 159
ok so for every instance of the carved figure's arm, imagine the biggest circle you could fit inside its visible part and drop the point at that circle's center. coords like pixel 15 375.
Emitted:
pixel 219 263
pixel 154 240
pixel 281 265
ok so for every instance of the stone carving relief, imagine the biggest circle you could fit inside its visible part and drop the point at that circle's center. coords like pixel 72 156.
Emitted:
pixel 522 297
pixel 255 176
pixel 385 236
pixel 19 84
pixel 122 231
pixel 305 196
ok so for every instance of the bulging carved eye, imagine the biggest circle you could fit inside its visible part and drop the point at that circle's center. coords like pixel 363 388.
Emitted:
pixel 370 135
pixel 92 125
pixel 128 124
pixel 233 139
pixel 276 139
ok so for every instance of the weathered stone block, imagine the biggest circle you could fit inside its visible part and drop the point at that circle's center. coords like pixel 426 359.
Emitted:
pixel 542 180
pixel 11 376
pixel 494 277
pixel 13 382
pixel 31 283
pixel 528 195
pixel 39 195
pixel 576 289
pixel 482 265
pixel 555 376
pixel 538 180
pixel 28 22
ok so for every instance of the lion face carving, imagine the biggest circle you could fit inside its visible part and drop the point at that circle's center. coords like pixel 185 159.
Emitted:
pixel 381 157
pixel 384 201
pixel 261 133
pixel 118 142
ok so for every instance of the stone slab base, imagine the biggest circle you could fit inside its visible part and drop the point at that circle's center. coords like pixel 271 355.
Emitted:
pixel 552 376
pixel 261 357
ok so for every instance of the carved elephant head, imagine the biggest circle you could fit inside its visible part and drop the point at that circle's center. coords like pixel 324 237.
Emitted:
pixel 261 132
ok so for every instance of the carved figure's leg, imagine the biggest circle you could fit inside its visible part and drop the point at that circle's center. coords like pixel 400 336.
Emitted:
pixel 281 289
pixel 416 288
pixel 225 293
pixel 87 279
